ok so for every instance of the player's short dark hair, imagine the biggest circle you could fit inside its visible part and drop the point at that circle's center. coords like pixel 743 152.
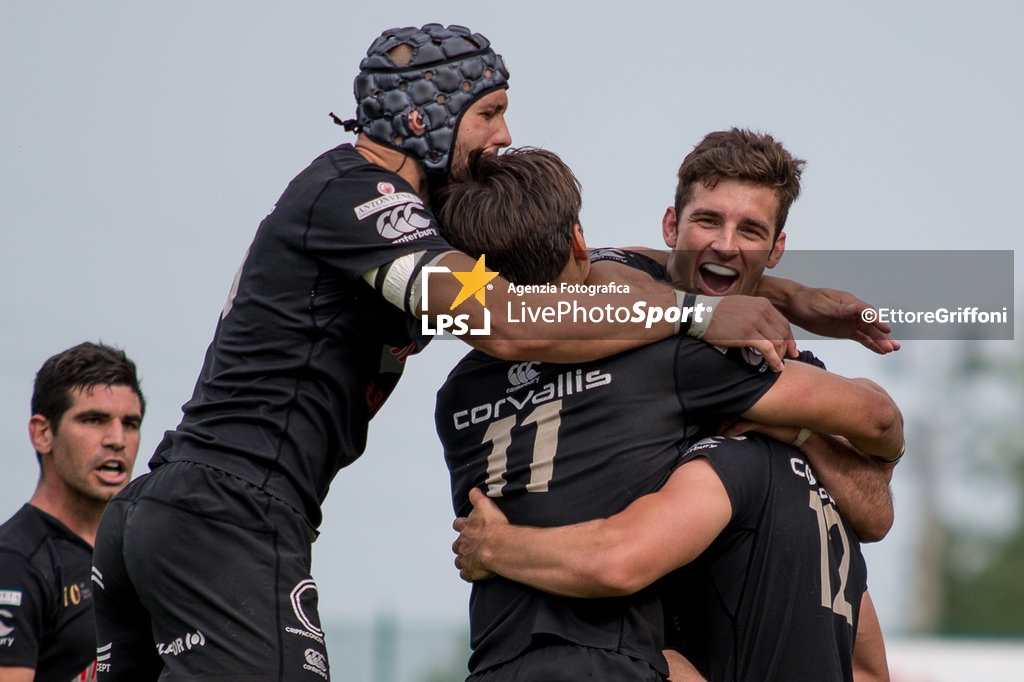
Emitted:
pixel 82 367
pixel 738 154
pixel 519 209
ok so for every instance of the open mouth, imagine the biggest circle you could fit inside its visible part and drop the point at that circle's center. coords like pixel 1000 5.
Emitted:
pixel 717 280
pixel 112 471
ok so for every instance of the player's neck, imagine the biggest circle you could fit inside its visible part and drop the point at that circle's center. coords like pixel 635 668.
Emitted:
pixel 395 161
pixel 79 514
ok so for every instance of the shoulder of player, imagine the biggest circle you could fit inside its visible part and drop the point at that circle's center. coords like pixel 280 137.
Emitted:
pixel 31 531
pixel 700 353
pixel 348 162
pixel 810 358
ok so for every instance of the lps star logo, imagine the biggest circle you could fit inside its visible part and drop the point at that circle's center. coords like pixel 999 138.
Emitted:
pixel 474 284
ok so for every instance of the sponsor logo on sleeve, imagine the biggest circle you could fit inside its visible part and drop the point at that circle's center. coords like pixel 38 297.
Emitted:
pixel 10 597
pixel 403 217
pixel 6 617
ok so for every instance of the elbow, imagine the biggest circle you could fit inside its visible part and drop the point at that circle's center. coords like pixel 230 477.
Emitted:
pixel 878 524
pixel 614 573
pixel 612 582
pixel 878 527
pixel 887 428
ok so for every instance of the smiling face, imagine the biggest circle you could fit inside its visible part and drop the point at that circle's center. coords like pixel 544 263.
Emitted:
pixel 723 238
pixel 89 454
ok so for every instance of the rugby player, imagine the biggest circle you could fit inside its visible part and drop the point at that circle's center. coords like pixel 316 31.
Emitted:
pixel 87 410
pixel 202 566
pixel 561 444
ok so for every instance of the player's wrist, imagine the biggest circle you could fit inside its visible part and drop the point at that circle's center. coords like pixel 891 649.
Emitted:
pixel 801 438
pixel 895 460
pixel 694 313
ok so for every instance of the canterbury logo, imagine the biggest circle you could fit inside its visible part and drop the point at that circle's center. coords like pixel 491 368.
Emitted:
pixel 522 373
pixel 6 629
pixel 401 220
pixel 316 659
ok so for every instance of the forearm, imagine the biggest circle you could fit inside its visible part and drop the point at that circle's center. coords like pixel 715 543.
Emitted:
pixel 869 659
pixel 572 561
pixel 860 411
pixel 577 327
pixel 859 485
pixel 608 557
pixel 827 312
pixel 781 293
pixel 537 326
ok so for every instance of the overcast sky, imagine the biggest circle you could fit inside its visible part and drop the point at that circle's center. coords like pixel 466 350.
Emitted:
pixel 142 143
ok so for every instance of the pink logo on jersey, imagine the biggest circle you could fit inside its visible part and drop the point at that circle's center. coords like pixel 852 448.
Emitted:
pixel 385 188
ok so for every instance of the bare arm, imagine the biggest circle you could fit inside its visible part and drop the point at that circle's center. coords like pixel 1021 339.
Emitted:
pixel 16 674
pixel 605 557
pixel 735 321
pixel 738 321
pixel 859 484
pixel 541 340
pixel 869 664
pixel 680 669
pixel 827 312
pixel 857 409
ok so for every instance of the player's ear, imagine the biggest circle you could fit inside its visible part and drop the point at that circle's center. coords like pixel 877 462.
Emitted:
pixel 778 248
pixel 579 245
pixel 670 227
pixel 40 431
pixel 415 121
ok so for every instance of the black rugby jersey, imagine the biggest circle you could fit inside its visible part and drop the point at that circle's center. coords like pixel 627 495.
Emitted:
pixel 557 444
pixel 777 595
pixel 46 620
pixel 306 352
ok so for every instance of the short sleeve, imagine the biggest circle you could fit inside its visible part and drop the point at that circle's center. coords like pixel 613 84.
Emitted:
pixel 743 469
pixel 716 384
pixel 22 607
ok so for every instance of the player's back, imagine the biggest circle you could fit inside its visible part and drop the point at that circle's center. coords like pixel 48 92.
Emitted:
pixel 777 594
pixel 559 444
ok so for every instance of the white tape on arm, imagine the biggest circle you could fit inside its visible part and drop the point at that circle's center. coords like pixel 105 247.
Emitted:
pixel 703 303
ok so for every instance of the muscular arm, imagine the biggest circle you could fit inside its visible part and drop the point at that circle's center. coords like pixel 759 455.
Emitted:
pixel 605 557
pixel 668 528
pixel 856 409
pixel 745 321
pixel 869 664
pixel 859 484
pixel 827 312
